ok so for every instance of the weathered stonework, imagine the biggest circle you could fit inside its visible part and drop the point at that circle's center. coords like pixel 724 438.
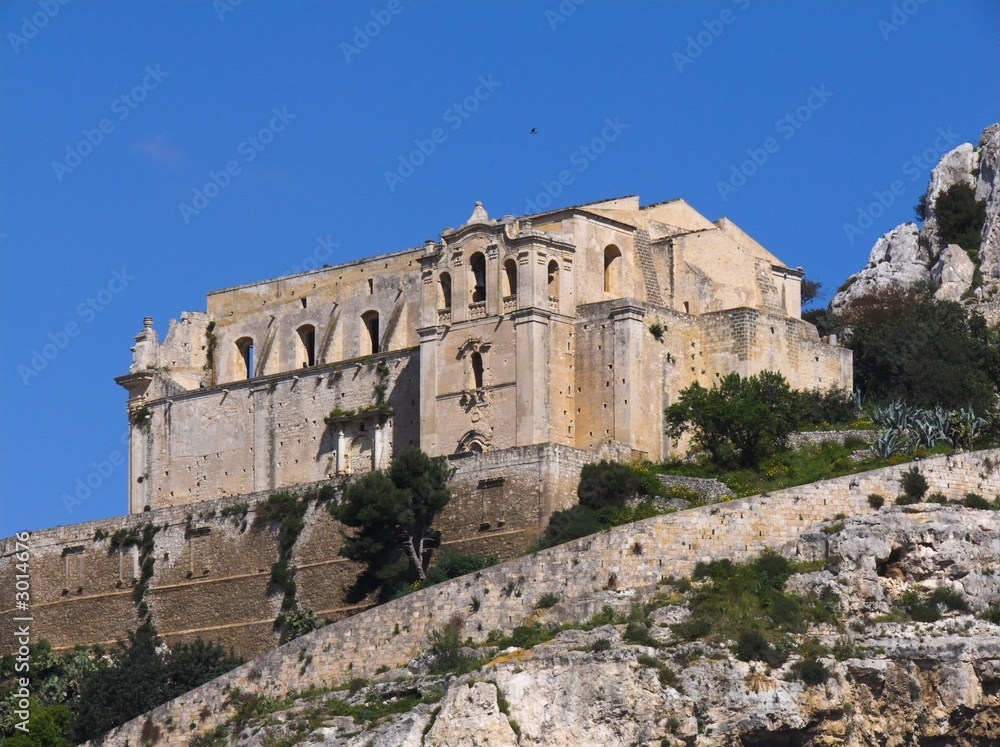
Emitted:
pixel 521 349
pixel 502 334
pixel 625 559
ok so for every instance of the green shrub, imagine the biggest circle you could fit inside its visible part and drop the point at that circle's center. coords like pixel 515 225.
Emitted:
pixel 914 485
pixel 992 614
pixel 927 608
pixel 607 484
pixel 916 608
pixel 752 646
pixel 446 648
pixel 449 564
pixel 737 598
pixel 937 498
pixel 601 644
pixel 831 407
pixel 741 420
pixel 811 671
pixel 546 600
pixel 638 633
pixel 526 636
pixel 948 597
pixel 569 524
pixel 960 218
pixel 141 675
pixel 974 500
pixel 876 501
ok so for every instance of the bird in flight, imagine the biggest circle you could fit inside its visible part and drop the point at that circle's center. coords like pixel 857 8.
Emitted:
pixel 533 131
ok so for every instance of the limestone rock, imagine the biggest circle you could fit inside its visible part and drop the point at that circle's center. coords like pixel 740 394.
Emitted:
pixel 955 167
pixel 894 682
pixel 471 717
pixel 988 188
pixel 896 261
pixel 901 257
pixel 953 270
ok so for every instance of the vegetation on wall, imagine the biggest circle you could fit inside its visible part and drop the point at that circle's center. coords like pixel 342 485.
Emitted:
pixel 747 603
pixel 392 512
pixel 210 342
pixel 286 511
pixel 142 417
pixel 141 537
pixel 610 494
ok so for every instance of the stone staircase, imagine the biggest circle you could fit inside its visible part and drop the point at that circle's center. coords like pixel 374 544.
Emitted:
pixel 645 260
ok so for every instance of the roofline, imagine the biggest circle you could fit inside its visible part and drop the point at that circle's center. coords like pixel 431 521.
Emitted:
pixel 316 271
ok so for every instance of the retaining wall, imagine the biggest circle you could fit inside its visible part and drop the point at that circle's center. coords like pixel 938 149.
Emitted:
pixel 635 556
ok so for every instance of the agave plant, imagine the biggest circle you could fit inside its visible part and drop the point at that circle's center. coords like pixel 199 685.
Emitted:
pixel 887 443
pixel 894 416
pixel 964 427
pixel 925 431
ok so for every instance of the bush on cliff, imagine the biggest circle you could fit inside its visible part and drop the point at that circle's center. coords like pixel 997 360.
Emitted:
pixel 960 218
pixel 934 353
pixel 747 603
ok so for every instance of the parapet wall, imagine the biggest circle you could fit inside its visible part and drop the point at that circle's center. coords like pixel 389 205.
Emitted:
pixel 635 556
pixel 212 563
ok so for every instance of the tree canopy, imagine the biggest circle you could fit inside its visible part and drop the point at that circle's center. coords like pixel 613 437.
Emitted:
pixel 392 511
pixel 143 674
pixel 932 353
pixel 740 420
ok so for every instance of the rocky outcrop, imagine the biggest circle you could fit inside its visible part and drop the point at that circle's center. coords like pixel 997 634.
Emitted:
pixel 953 273
pixel 909 255
pixel 891 680
pixel 988 188
pixel 896 261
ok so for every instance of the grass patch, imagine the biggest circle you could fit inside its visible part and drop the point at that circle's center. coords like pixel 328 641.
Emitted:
pixel 800 466
pixel 737 599
pixel 374 708
pixel 523 636
pixel 927 607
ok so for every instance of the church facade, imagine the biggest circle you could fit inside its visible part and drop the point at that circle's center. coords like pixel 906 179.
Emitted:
pixel 573 328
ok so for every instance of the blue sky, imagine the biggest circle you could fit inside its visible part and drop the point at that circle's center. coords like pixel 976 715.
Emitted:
pixel 118 120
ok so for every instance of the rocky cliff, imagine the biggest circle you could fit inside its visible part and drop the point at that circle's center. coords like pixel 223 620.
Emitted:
pixel 907 653
pixel 909 255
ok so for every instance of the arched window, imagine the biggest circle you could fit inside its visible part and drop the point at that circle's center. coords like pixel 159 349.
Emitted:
pixel 553 282
pixel 477 267
pixel 444 291
pixel 477 370
pixel 244 348
pixel 509 278
pixel 369 333
pixel 307 346
pixel 612 269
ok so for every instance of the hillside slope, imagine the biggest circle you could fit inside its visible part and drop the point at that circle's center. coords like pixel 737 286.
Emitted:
pixel 891 679
pixel 871 559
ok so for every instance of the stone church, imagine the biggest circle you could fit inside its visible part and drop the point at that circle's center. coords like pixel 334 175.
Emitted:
pixel 520 348
pixel 573 328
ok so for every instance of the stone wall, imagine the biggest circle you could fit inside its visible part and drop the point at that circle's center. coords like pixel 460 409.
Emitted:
pixel 269 432
pixel 706 487
pixel 839 437
pixel 212 561
pixel 632 557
